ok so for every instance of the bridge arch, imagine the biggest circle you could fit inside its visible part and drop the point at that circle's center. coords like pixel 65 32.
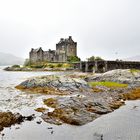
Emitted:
pixel 101 68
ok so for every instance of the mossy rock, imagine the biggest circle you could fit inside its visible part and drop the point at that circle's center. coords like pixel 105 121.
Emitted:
pixel 51 102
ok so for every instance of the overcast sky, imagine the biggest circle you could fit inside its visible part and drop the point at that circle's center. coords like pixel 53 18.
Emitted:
pixel 107 28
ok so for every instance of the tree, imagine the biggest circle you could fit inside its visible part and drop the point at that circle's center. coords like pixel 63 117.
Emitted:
pixel 93 58
pixel 98 58
pixel 27 62
pixel 73 59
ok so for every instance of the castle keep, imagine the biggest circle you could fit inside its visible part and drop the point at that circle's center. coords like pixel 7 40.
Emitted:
pixel 65 48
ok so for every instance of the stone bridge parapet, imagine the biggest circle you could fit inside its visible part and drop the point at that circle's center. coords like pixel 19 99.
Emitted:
pixel 103 65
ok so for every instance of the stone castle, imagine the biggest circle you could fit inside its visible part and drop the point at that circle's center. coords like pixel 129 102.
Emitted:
pixel 65 48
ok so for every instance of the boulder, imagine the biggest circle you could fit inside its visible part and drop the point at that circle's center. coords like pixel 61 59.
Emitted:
pixel 74 110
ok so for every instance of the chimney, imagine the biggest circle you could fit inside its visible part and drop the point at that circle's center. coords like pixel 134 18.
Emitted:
pixel 70 37
pixel 61 39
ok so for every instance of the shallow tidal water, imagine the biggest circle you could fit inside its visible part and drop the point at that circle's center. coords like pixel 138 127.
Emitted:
pixel 122 124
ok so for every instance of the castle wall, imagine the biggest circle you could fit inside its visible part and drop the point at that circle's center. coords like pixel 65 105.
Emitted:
pixel 64 49
pixel 49 56
pixel 36 56
pixel 40 56
pixel 72 49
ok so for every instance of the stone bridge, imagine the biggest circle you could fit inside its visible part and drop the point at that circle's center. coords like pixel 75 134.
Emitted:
pixel 103 65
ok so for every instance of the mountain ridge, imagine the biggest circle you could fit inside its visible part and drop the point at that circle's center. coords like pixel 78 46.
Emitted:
pixel 10 59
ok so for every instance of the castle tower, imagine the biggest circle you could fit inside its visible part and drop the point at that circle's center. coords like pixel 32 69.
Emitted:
pixel 65 48
pixel 36 55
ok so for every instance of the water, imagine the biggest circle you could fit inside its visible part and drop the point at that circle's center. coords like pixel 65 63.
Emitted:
pixel 122 124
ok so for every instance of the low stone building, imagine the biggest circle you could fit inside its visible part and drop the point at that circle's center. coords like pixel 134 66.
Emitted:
pixel 65 48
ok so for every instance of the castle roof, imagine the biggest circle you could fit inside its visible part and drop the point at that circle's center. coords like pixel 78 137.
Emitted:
pixel 36 50
pixel 66 40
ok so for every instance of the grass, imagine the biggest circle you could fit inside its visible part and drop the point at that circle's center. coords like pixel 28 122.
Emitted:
pixel 50 65
pixel 108 84
pixel 134 71
pixel 58 65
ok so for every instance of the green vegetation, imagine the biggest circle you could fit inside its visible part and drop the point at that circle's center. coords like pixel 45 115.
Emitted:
pixel 73 59
pixel 16 66
pixel 58 65
pixel 94 58
pixel 47 65
pixel 37 66
pixel 108 84
pixel 27 62
pixel 134 71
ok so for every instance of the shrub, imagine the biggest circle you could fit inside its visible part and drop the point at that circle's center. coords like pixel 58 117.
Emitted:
pixel 59 65
pixel 16 66
pixel 93 58
pixel 51 66
pixel 37 66
pixel 27 62
pixel 73 59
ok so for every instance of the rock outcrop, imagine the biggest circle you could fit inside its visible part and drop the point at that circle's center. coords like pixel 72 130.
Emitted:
pixel 75 110
pixel 127 76
pixel 54 85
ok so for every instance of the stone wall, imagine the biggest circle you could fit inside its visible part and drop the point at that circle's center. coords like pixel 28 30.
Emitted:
pixel 103 66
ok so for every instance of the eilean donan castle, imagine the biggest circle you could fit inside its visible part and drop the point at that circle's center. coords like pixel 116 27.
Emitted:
pixel 65 48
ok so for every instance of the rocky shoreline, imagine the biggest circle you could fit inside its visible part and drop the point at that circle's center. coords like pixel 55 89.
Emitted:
pixel 36 69
pixel 77 101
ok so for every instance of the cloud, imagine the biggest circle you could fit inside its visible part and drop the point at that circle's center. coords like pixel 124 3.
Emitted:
pixel 101 27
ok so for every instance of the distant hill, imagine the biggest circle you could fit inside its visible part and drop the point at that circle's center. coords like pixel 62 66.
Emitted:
pixel 133 58
pixel 9 59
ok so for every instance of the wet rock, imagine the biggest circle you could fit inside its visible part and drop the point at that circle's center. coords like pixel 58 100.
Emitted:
pixel 29 118
pixel 8 118
pixel 41 109
pixel 60 85
pixel 17 69
pixel 39 122
pixel 75 111
pixel 50 128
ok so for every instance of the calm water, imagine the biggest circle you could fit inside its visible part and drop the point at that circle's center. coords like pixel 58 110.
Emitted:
pixel 122 124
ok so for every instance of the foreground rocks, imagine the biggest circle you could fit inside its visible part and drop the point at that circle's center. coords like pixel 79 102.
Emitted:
pixel 75 110
pixel 8 118
pixel 84 103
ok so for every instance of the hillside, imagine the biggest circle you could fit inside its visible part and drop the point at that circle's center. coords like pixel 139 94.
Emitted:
pixel 9 59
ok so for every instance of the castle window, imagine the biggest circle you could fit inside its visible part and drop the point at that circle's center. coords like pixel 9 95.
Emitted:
pixel 63 47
